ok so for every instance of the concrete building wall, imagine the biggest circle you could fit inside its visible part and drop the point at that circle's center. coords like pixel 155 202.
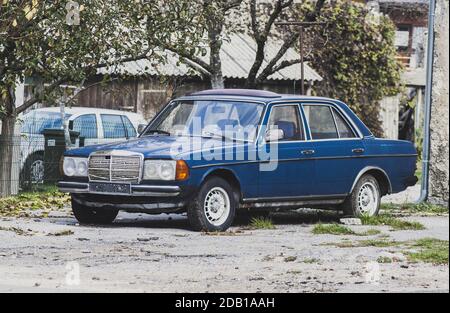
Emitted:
pixel 439 163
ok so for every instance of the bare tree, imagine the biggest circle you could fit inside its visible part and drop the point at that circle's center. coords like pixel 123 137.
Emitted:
pixel 261 33
pixel 217 19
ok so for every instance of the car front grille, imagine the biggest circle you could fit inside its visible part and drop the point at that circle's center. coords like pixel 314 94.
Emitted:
pixel 115 168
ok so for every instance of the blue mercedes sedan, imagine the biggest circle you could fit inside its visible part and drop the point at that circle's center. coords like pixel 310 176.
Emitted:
pixel 216 154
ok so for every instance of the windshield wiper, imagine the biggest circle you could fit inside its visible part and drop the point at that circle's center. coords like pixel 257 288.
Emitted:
pixel 208 134
pixel 157 131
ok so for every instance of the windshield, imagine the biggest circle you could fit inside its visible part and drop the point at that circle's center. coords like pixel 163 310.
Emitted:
pixel 35 122
pixel 211 118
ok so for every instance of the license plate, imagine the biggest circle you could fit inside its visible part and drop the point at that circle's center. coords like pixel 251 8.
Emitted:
pixel 110 188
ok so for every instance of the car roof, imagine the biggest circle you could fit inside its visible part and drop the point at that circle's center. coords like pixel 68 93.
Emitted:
pixel 250 94
pixel 82 110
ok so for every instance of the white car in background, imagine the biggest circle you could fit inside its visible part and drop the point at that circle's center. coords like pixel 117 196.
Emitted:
pixel 97 126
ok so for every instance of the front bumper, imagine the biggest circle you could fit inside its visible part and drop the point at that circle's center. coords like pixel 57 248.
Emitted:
pixel 136 190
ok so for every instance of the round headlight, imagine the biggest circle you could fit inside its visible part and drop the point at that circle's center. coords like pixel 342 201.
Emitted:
pixel 151 171
pixel 82 168
pixel 69 167
pixel 167 171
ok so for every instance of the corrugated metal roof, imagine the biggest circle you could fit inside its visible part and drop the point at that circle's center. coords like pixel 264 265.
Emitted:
pixel 237 55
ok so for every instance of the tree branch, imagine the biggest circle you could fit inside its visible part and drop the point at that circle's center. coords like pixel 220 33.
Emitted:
pixel 205 67
pixel 271 66
pixel 38 97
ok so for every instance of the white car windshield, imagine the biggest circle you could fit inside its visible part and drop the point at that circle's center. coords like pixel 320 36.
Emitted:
pixel 35 122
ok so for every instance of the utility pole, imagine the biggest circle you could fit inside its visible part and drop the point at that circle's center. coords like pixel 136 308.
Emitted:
pixel 302 25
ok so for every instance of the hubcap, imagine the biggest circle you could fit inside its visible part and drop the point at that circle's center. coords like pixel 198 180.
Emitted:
pixel 368 198
pixel 37 171
pixel 217 206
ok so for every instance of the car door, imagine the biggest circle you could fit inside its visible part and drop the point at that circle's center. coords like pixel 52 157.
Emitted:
pixel 86 125
pixel 293 174
pixel 113 128
pixel 338 150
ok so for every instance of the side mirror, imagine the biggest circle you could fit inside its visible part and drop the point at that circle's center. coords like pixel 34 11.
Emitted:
pixel 141 128
pixel 70 125
pixel 274 134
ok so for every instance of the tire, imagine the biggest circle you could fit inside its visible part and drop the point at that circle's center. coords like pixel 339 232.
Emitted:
pixel 32 171
pixel 365 198
pixel 204 214
pixel 86 215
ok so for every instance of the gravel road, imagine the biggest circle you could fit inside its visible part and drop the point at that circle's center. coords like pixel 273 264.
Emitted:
pixel 141 253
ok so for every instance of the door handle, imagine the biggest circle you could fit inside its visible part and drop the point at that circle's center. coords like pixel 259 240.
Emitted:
pixel 358 150
pixel 308 152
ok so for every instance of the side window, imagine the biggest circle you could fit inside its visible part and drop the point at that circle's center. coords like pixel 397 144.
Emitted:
pixel 131 131
pixel 86 125
pixel 287 119
pixel 113 126
pixel 321 122
pixel 345 131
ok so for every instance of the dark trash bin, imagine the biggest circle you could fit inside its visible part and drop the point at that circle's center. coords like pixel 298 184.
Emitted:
pixel 55 146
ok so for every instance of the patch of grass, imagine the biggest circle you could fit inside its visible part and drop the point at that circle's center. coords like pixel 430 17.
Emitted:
pixel 394 223
pixel 332 229
pixel 224 233
pixel 61 233
pixel 290 259
pixel 311 261
pixel 378 243
pixel 46 198
pixel 261 223
pixel 370 232
pixel 430 250
pixel 18 231
pixel 384 260
pixel 424 208
pixel 337 229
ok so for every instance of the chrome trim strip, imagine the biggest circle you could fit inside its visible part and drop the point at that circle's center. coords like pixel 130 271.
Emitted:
pixel 365 170
pixel 136 190
pixel 308 159
pixel 293 198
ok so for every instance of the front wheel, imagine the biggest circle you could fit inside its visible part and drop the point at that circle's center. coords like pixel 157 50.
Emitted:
pixel 214 207
pixel 87 215
pixel 365 198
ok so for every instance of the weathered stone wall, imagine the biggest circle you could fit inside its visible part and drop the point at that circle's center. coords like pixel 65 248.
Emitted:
pixel 439 162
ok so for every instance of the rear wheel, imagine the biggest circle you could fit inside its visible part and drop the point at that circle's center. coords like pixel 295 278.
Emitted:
pixel 365 198
pixel 214 207
pixel 87 215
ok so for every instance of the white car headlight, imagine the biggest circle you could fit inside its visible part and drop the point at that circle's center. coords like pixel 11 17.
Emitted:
pixel 160 169
pixel 75 167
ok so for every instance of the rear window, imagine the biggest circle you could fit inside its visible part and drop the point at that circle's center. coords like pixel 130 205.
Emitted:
pixel 321 122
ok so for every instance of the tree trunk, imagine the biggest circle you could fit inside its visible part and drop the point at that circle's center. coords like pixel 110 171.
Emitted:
pixel 6 154
pixel 215 45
